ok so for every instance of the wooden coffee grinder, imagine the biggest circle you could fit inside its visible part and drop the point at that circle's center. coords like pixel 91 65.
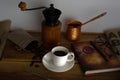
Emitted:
pixel 51 27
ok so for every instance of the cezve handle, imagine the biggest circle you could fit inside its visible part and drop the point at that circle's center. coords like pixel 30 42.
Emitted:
pixel 95 18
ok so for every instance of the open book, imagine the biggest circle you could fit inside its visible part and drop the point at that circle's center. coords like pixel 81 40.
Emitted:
pixel 92 61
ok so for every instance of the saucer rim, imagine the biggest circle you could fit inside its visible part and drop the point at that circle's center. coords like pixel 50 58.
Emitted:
pixel 45 63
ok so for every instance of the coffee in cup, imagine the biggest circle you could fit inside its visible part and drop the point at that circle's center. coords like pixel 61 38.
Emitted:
pixel 60 53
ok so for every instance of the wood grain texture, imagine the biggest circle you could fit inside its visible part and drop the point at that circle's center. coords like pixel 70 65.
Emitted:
pixel 12 68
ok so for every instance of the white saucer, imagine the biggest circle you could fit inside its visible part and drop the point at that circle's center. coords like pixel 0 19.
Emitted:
pixel 47 62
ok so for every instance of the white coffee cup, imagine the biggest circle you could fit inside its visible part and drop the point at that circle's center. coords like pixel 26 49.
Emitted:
pixel 61 55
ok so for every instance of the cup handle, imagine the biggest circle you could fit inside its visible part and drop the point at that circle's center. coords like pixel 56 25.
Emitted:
pixel 70 56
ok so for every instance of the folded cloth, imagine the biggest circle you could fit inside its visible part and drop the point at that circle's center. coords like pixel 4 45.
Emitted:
pixel 21 38
pixel 2 45
pixel 4 28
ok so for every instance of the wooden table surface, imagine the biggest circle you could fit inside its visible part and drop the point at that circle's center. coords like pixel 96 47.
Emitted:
pixel 15 65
